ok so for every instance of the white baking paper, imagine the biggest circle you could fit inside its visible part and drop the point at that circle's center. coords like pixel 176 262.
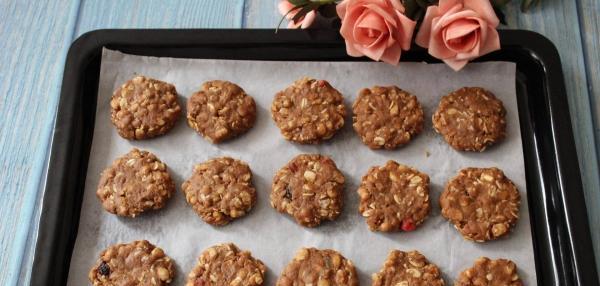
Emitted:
pixel 273 237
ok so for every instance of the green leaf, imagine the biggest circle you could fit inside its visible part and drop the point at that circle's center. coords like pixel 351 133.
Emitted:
pixel 283 17
pixel 299 2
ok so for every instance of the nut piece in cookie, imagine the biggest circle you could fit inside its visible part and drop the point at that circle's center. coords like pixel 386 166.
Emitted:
pixel 135 183
pixel 500 272
pixel 470 119
pixel 309 188
pixel 407 268
pixel 226 265
pixel 309 111
pixel 318 267
pixel 386 117
pixel 394 197
pixel 144 108
pixel 135 263
pixel 221 110
pixel 482 203
pixel 220 190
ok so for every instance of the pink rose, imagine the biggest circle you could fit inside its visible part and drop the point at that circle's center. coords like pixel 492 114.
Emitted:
pixel 457 31
pixel 304 22
pixel 377 29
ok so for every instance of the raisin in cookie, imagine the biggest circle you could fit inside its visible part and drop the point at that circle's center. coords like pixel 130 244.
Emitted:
pixel 221 110
pixel 386 117
pixel 394 197
pixel 318 267
pixel 309 111
pixel 136 182
pixel 227 265
pixel 482 203
pixel 144 108
pixel 407 268
pixel 220 190
pixel 470 119
pixel 135 263
pixel 309 188
pixel 500 272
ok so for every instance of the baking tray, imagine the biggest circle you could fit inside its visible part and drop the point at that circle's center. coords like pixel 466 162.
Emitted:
pixel 560 229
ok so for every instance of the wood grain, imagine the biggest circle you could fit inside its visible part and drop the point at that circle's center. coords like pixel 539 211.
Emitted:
pixel 35 36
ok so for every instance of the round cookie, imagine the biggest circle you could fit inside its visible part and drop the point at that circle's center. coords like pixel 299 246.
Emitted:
pixel 500 272
pixel 221 110
pixel 144 108
pixel 407 268
pixel 135 183
pixel 309 188
pixel 309 111
pixel 394 197
pixel 135 263
pixel 482 203
pixel 386 117
pixel 226 264
pixel 313 266
pixel 470 119
pixel 220 190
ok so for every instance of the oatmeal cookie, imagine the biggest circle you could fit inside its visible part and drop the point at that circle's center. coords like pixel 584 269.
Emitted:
pixel 407 268
pixel 470 119
pixel 309 111
pixel 394 197
pixel 221 110
pixel 500 272
pixel 135 183
pixel 309 188
pixel 220 190
pixel 386 117
pixel 226 265
pixel 144 108
pixel 482 203
pixel 318 267
pixel 136 263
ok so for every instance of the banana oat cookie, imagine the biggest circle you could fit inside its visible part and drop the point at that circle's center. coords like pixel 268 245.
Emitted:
pixel 318 267
pixel 407 268
pixel 470 119
pixel 221 110
pixel 136 263
pixel 482 203
pixel 309 111
pixel 309 188
pixel 220 190
pixel 144 108
pixel 394 197
pixel 226 265
pixel 135 183
pixel 500 272
pixel 386 117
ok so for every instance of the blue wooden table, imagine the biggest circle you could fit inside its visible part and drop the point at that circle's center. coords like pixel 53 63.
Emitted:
pixel 35 36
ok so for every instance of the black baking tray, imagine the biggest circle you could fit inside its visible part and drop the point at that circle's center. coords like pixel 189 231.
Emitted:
pixel 561 235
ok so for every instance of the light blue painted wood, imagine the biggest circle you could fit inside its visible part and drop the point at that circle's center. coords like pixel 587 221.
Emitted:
pixel 34 37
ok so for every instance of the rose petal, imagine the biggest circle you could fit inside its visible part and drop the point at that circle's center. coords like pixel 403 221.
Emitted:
pixel 341 8
pixel 308 19
pixel 407 28
pixel 284 7
pixel 491 43
pixel 456 65
pixel 424 33
pixel 382 13
pixel 437 46
pixel 445 5
pixel 460 28
pixel 397 5
pixel 392 54
pixel 484 9
pixel 455 14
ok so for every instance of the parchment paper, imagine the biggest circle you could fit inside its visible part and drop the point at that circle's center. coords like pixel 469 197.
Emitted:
pixel 272 237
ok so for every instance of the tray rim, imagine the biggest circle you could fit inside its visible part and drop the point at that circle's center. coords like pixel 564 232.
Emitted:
pixel 574 249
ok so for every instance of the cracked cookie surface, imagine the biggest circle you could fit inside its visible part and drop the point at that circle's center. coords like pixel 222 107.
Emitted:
pixel 394 197
pixel 226 265
pixel 220 190
pixel 482 203
pixel 470 119
pixel 386 117
pixel 221 110
pixel 309 188
pixel 407 268
pixel 143 108
pixel 309 111
pixel 138 263
pixel 487 272
pixel 135 183
pixel 313 266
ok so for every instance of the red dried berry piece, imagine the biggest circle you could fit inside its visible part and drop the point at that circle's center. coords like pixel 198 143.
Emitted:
pixel 408 225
